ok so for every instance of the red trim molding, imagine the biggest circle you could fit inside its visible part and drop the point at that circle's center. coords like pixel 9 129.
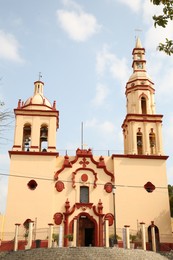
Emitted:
pixel 33 153
pixel 16 146
pixel 84 154
pixel 84 205
pixel 142 156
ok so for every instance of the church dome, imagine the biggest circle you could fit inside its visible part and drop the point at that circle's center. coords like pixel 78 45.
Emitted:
pixel 38 97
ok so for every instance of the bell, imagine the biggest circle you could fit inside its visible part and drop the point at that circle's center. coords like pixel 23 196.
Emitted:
pixel 43 136
pixel 152 143
pixel 139 143
pixel 26 142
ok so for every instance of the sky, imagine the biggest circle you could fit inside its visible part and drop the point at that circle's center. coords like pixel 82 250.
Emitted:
pixel 83 50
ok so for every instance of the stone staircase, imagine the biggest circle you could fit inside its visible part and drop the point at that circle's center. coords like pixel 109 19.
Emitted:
pixel 81 253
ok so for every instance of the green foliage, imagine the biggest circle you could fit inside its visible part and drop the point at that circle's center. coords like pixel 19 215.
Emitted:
pixel 167 48
pixel 111 236
pixel 136 237
pixel 170 191
pixel 132 238
pixel 55 237
pixel 69 237
pixel 162 20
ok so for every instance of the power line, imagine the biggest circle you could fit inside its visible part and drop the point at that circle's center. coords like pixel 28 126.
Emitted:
pixel 66 181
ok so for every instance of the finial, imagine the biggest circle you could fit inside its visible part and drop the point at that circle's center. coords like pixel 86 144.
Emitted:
pixel 137 31
pixel 39 76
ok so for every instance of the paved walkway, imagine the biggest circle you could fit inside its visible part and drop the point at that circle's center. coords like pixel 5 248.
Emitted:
pixel 81 253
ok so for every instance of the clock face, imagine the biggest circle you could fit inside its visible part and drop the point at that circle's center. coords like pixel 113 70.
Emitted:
pixel 139 65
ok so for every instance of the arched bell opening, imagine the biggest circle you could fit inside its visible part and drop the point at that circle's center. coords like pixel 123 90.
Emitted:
pixel 139 142
pixel 143 105
pixel 43 138
pixel 152 140
pixel 26 137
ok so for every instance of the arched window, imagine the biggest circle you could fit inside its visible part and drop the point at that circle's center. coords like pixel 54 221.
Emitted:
pixel 26 137
pixel 43 138
pixel 143 105
pixel 139 56
pixel 152 140
pixel 84 194
pixel 139 142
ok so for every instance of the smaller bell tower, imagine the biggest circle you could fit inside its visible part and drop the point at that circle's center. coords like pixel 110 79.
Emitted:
pixel 36 123
pixel 142 127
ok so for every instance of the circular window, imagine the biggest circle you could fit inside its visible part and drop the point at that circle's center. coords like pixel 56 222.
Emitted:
pixel 32 185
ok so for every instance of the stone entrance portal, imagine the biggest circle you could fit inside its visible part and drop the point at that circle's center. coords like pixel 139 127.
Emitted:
pixel 86 231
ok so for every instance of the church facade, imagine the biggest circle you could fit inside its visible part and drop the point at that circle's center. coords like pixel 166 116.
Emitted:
pixel 81 192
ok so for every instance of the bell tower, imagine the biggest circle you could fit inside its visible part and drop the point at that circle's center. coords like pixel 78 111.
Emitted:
pixel 142 127
pixel 36 123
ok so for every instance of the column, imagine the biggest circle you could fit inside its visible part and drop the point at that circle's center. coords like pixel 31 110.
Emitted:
pixel 35 134
pixel 52 135
pixel 30 235
pixel 159 146
pixel 146 148
pixel 143 235
pixel 18 136
pixel 127 236
pixel 16 237
pixel 61 236
pixel 50 233
pixel 133 136
pixel 153 238
pixel 106 233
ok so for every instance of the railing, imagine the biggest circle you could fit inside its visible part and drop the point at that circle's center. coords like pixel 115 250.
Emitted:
pixel 7 242
pixel 94 152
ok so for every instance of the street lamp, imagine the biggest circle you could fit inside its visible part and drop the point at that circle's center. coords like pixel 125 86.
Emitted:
pixel 115 234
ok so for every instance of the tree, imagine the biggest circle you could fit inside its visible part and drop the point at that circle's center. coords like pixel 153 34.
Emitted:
pixel 170 191
pixel 6 117
pixel 162 20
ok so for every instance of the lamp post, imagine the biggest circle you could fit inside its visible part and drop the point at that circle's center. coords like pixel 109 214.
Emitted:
pixel 115 233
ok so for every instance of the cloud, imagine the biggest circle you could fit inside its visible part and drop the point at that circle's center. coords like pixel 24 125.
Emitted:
pixel 108 62
pixel 9 47
pixel 149 10
pixel 3 194
pixel 105 127
pixel 158 62
pixel 134 5
pixel 102 92
pixel 71 4
pixel 4 158
pixel 170 175
pixel 156 35
pixel 79 25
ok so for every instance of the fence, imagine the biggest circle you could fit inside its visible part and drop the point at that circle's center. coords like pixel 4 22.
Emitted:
pixel 42 234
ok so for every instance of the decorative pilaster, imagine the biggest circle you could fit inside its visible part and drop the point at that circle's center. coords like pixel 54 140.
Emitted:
pixel 75 232
pixel 99 213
